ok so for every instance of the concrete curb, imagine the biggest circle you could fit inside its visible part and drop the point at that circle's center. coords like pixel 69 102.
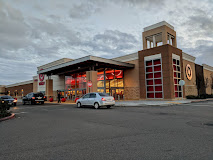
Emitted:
pixel 58 103
pixel 203 100
pixel 9 117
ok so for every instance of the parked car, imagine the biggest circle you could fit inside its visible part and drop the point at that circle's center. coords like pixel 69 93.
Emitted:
pixel 11 101
pixel 96 99
pixel 33 98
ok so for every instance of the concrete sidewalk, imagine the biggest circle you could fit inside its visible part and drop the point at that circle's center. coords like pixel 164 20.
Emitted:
pixel 158 103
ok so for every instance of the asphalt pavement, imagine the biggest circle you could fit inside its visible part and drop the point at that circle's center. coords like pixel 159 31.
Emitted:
pixel 64 132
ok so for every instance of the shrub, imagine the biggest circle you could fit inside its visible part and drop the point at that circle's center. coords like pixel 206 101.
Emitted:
pixel 4 107
pixel 192 97
pixel 209 96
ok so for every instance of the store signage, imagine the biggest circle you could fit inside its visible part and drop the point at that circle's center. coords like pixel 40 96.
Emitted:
pixel 41 78
pixel 89 83
pixel 188 72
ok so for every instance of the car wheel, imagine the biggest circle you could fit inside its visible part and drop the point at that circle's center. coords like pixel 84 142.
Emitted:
pixel 42 102
pixel 108 106
pixel 96 105
pixel 14 104
pixel 78 104
pixel 23 102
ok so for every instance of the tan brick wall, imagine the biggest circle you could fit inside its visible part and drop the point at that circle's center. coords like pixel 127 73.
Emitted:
pixel 131 81
pixel 131 93
pixel 35 85
pixel 49 88
pixel 27 88
pixel 190 85
pixel 208 76
pixel 2 90
pixel 92 75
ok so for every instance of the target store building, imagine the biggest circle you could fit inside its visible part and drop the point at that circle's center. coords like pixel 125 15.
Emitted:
pixel 153 73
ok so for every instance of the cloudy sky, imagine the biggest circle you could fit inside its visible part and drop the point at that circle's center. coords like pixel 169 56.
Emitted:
pixel 36 32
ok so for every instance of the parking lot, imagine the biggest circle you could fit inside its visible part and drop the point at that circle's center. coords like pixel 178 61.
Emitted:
pixel 63 131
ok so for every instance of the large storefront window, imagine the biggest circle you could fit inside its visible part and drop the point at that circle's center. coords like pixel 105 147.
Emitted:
pixel 177 77
pixel 112 83
pixel 154 82
pixel 75 85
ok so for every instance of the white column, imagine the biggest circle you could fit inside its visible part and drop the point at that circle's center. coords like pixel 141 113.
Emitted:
pixel 170 40
pixel 154 42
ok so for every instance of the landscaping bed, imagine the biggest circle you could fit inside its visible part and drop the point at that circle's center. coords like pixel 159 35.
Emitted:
pixel 4 109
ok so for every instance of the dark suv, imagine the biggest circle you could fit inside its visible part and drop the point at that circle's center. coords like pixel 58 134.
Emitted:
pixel 33 98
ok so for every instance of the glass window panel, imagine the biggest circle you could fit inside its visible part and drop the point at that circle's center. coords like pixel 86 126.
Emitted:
pixel 149 69
pixel 178 62
pixel 158 81
pixel 179 75
pixel 150 88
pixel 150 95
pixel 107 91
pixel 174 67
pixel 179 88
pixel 100 77
pixel 174 61
pixel 107 84
pixel 176 88
pixel 176 94
pixel 112 83
pixel 158 88
pixel 175 81
pixel 149 82
pixel 115 82
pixel 175 74
pixel 100 84
pixel 157 68
pixel 178 68
pixel 148 63
pixel 178 81
pixel 110 74
pixel 118 74
pixel 157 61
pixel 150 75
pixel 100 90
pixel 120 83
pixel 180 94
pixel 84 85
pixel 159 95
pixel 157 75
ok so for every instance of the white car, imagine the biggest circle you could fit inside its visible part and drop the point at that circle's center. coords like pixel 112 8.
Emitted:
pixel 96 99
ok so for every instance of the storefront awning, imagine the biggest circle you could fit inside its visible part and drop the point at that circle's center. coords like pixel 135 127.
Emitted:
pixel 85 64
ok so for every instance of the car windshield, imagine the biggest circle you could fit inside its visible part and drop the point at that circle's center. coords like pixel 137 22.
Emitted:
pixel 6 97
pixel 38 95
pixel 103 94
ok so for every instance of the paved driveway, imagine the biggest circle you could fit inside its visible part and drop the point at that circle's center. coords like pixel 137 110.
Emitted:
pixel 56 132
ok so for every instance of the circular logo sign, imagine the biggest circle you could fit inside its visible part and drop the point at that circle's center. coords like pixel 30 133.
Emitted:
pixel 188 72
pixel 89 83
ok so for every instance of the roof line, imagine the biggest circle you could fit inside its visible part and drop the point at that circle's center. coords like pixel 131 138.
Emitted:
pixel 89 57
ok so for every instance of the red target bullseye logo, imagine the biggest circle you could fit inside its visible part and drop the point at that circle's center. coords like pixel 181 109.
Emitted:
pixel 41 77
pixel 188 72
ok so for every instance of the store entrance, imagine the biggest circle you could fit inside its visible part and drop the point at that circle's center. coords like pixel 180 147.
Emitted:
pixel 117 93
pixel 75 93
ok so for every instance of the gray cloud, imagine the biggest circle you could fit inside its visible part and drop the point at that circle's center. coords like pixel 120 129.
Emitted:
pixel 32 33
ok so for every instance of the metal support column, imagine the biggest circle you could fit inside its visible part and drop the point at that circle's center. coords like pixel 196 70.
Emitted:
pixel 104 80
